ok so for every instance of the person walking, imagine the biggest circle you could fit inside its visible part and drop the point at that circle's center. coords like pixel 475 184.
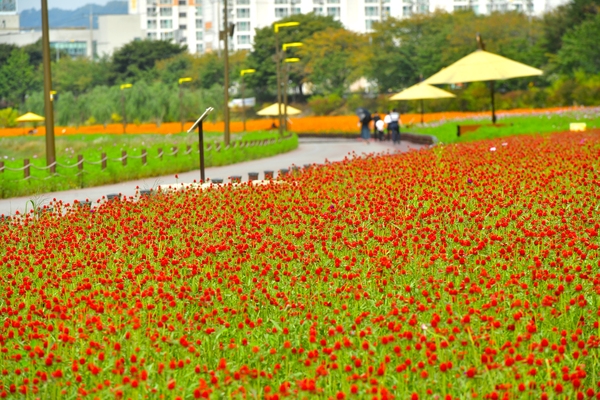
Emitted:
pixel 365 132
pixel 375 117
pixel 393 123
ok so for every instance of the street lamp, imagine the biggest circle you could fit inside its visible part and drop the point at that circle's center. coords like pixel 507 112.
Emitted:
pixel 123 87
pixel 288 61
pixel 182 80
pixel 242 73
pixel 278 57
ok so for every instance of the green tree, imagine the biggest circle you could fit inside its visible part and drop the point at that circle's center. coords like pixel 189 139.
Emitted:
pixel 262 57
pixel 79 75
pixel 564 18
pixel 333 58
pixel 66 109
pixel 104 104
pixel 136 58
pixel 16 77
pixel 580 50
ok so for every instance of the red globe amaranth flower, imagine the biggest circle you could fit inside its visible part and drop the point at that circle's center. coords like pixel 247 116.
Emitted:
pixel 387 274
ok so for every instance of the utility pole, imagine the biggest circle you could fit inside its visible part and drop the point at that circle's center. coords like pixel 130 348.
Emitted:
pixel 91 32
pixel 50 145
pixel 226 59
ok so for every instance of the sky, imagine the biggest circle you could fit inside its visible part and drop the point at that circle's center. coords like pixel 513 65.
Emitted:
pixel 64 4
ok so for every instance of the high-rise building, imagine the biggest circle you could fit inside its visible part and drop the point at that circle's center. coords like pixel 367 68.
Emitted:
pixel 197 22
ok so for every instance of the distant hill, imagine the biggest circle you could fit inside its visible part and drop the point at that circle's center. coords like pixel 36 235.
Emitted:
pixel 80 17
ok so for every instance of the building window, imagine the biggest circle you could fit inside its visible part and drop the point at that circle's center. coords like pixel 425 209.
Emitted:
pixel 243 13
pixel 372 11
pixel 243 26
pixel 166 35
pixel 198 24
pixel 182 3
pixel 73 49
pixel 199 36
pixel 243 39
pixel 198 10
pixel 386 11
pixel 199 48
pixel 333 11
pixel 318 10
pixel 151 12
pixel 166 1
pixel 166 12
pixel 182 27
pixel 281 12
pixel 296 10
pixel 406 11
pixel 152 35
pixel 182 15
pixel 333 1
pixel 372 1
pixel 152 24
pixel 242 2
pixel 281 1
pixel 166 24
pixel 369 24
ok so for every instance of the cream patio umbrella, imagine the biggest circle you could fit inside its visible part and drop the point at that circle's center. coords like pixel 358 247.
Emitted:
pixel 422 91
pixel 30 117
pixel 482 66
pixel 272 111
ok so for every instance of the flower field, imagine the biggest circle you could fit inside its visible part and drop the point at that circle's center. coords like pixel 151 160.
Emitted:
pixel 463 271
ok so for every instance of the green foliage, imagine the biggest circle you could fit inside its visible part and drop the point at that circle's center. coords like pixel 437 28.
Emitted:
pixel 137 58
pixel 8 118
pixel 325 105
pixel 333 59
pixel 16 77
pixel 580 50
pixel 262 57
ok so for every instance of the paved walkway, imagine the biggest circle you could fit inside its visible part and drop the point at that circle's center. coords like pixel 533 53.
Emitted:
pixel 310 151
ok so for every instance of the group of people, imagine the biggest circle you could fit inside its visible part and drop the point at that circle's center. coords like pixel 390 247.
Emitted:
pixel 391 121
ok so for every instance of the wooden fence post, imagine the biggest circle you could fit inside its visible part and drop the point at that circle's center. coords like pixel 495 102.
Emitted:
pixel 175 150
pixel 144 155
pixel 103 161
pixel 124 157
pixel 188 149
pixel 26 170
pixel 1 167
pixel 160 153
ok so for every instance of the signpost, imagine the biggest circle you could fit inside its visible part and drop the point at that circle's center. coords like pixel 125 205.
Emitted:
pixel 199 124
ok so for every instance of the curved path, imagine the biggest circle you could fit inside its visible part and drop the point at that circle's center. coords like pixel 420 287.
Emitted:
pixel 310 151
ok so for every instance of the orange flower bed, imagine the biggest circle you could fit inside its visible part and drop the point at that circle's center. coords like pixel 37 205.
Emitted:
pixel 325 124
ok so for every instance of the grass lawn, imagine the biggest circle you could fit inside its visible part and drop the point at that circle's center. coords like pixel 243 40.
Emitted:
pixel 445 131
pixel 14 150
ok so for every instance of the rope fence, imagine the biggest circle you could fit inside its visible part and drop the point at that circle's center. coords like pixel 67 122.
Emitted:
pixel 103 162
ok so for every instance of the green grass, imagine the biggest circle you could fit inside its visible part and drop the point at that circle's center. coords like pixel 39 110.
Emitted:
pixel 445 131
pixel 68 176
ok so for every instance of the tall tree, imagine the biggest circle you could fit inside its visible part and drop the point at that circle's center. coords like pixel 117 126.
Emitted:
pixel 137 57
pixel 16 77
pixel 333 58
pixel 262 57
pixel 580 50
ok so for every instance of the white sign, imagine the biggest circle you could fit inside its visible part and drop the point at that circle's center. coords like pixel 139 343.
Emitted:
pixel 247 102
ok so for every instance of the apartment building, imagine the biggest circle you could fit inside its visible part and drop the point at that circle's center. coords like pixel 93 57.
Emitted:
pixel 197 22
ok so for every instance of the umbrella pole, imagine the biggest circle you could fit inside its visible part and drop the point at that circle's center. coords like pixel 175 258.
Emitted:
pixel 422 111
pixel 493 102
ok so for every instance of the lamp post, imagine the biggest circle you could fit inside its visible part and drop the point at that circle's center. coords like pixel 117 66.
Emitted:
pixel 123 87
pixel 288 61
pixel 276 28
pixel 182 80
pixel 50 145
pixel 242 73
